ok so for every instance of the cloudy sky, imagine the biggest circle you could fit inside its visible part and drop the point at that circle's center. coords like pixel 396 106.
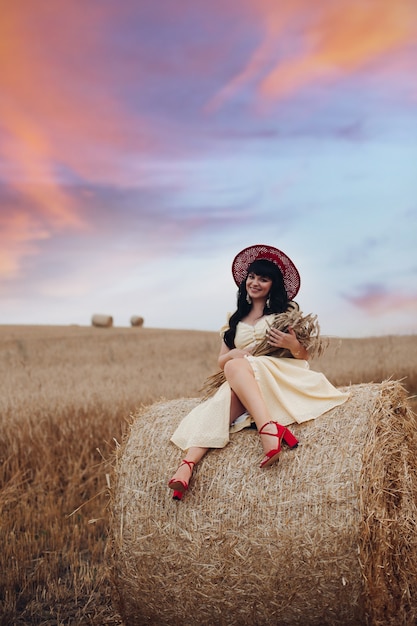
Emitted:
pixel 143 144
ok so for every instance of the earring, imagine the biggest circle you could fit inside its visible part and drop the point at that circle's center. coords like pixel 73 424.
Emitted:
pixel 268 301
pixel 248 299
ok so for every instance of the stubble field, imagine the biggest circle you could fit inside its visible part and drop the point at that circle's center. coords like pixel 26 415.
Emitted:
pixel 67 397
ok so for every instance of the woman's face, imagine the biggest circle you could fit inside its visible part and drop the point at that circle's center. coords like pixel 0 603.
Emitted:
pixel 258 287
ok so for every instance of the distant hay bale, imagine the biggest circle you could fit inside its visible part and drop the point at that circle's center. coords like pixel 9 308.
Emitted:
pixel 325 537
pixel 136 320
pixel 102 321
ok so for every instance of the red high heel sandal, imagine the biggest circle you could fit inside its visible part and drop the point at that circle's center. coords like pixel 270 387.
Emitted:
pixel 180 486
pixel 282 434
pixel 290 439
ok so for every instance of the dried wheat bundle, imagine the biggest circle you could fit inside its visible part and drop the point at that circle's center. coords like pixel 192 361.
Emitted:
pixel 324 538
pixel 388 502
pixel 307 329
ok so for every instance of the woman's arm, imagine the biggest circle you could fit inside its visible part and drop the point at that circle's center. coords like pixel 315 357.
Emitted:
pixel 288 340
pixel 226 354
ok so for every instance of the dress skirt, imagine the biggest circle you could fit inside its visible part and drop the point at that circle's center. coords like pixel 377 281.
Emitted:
pixel 292 392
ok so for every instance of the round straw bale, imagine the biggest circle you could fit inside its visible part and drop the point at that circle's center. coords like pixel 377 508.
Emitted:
pixel 136 320
pixel 102 321
pixel 325 537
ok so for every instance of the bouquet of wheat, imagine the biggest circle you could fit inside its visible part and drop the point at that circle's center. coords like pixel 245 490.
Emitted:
pixel 307 329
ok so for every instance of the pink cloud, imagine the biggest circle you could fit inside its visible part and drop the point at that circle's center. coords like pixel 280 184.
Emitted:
pixel 59 106
pixel 57 112
pixel 304 42
pixel 66 108
pixel 19 234
pixel 375 300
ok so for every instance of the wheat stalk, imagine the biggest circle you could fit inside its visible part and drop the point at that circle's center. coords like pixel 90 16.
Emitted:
pixel 307 329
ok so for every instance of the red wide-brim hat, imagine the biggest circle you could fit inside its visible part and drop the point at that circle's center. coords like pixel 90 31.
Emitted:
pixel 289 272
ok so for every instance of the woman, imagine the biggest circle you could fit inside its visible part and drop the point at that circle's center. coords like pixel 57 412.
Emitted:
pixel 265 377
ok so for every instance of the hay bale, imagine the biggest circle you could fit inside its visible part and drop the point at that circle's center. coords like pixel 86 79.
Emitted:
pixel 102 321
pixel 326 537
pixel 136 320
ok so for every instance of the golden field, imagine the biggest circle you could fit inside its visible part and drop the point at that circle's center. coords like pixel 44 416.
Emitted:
pixel 67 397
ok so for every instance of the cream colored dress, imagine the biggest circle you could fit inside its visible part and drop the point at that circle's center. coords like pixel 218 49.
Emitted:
pixel 291 390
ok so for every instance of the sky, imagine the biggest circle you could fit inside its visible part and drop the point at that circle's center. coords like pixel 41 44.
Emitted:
pixel 144 144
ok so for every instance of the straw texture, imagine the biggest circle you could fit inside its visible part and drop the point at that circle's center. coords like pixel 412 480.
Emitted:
pixel 326 537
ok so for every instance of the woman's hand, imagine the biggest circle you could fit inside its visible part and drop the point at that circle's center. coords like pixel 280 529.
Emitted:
pixel 226 354
pixel 238 354
pixel 278 339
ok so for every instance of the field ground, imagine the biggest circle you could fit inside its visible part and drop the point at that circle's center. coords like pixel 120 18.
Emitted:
pixel 67 396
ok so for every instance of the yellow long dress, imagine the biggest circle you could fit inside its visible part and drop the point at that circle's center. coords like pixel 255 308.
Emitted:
pixel 292 391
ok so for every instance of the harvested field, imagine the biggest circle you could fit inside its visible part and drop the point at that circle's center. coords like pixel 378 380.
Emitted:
pixel 68 394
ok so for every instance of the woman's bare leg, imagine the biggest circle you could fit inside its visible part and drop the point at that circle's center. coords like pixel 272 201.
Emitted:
pixel 184 471
pixel 195 454
pixel 236 407
pixel 240 376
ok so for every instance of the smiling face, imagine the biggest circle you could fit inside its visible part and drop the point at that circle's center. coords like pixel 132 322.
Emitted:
pixel 258 286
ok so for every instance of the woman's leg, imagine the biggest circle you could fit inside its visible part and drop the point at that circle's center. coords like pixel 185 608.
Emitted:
pixel 236 407
pixel 194 455
pixel 240 376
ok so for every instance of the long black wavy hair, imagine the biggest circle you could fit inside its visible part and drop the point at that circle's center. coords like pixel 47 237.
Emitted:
pixel 277 299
